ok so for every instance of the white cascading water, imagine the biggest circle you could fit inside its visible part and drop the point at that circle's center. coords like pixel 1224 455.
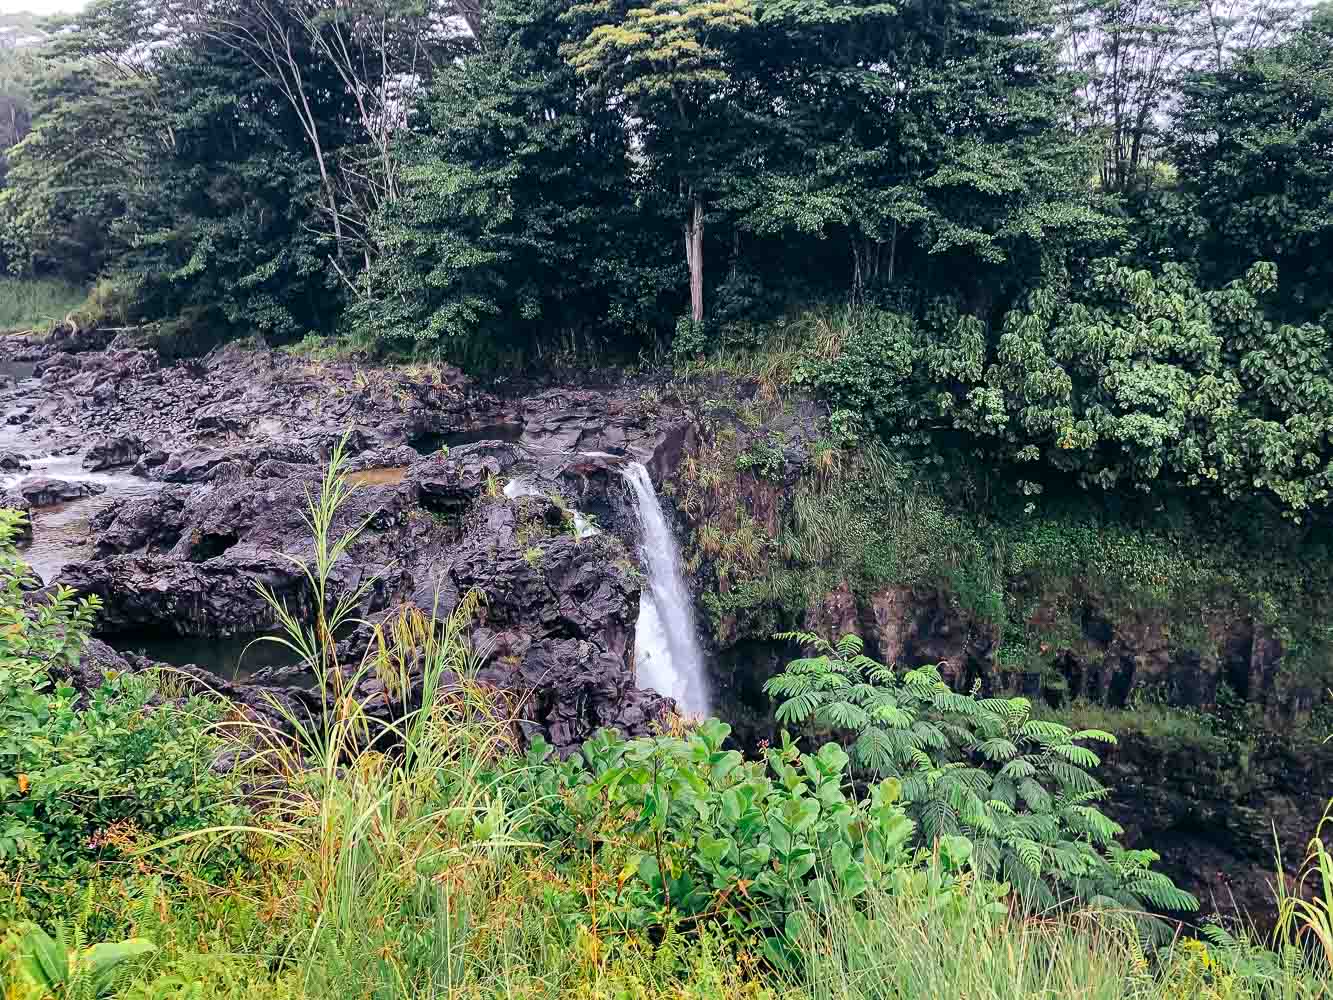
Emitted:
pixel 667 655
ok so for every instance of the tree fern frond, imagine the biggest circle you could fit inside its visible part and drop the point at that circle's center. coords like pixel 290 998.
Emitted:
pixel 1034 795
pixel 850 645
pixel 997 749
pixel 844 715
pixel 1077 755
pixel 1099 735
pixel 1044 732
pixel 1018 769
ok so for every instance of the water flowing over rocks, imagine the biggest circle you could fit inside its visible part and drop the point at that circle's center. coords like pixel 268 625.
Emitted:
pixel 227 452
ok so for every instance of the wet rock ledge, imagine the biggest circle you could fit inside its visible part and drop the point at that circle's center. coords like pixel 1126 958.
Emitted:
pixel 233 446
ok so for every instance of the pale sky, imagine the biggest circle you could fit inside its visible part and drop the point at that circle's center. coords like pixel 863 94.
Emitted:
pixel 42 6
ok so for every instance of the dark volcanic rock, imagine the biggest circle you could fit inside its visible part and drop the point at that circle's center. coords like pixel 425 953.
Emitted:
pixel 585 420
pixel 383 458
pixel 150 524
pixel 43 492
pixel 244 435
pixel 224 541
pixel 455 480
pixel 213 464
pixel 112 452
pixel 556 617
pixel 151 460
pixel 13 462
pixel 1214 812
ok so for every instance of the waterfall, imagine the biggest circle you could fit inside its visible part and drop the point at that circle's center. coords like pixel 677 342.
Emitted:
pixel 667 655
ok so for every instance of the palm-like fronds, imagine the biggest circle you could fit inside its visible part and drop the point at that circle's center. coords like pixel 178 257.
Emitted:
pixel 1020 788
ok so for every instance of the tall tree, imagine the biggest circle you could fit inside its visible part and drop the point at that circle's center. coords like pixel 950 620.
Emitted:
pixel 1131 54
pixel 668 61
pixel 933 137
pixel 520 218
pixel 15 109
pixel 78 174
pixel 1253 144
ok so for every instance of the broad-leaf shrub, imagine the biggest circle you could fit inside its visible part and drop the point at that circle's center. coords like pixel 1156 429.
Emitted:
pixel 1019 788
pixel 1129 378
pixel 696 830
pixel 44 966
pixel 76 779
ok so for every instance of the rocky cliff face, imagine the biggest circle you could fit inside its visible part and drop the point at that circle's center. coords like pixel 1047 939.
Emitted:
pixel 1209 806
pixel 232 449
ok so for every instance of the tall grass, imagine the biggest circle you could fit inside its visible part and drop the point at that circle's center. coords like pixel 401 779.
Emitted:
pixel 37 303
pixel 813 335
pixel 402 871
pixel 907 945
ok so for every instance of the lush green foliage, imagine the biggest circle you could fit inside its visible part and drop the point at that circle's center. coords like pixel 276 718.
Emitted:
pixel 1087 242
pixel 429 857
pixel 48 965
pixel 78 779
pixel 703 833
pixel 1020 566
pixel 1251 143
pixel 511 218
pixel 1019 788
pixel 1134 379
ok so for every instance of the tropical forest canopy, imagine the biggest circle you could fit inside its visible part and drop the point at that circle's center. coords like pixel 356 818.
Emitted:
pixel 1087 241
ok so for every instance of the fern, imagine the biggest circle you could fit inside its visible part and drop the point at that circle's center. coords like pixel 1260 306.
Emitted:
pixel 1020 788
pixel 1077 755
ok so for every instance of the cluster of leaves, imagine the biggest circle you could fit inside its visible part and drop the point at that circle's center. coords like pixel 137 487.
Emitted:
pixel 1128 379
pixel 1250 141
pixel 1020 789
pixel 765 458
pixel 515 213
pixel 48 966
pixel 696 831
pixel 84 775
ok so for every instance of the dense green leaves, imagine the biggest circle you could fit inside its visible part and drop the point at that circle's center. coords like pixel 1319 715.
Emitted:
pixel 1254 146
pixel 1020 789
pixel 78 778
pixel 1085 243
pixel 701 832
pixel 510 220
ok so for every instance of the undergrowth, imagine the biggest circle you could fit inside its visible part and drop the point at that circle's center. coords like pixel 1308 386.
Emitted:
pixel 37 303
pixel 430 852
pixel 872 518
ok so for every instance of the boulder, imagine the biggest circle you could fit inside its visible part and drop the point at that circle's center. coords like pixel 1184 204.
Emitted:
pixel 148 462
pixel 113 452
pixel 456 479
pixel 43 492
pixel 151 524
pixel 202 465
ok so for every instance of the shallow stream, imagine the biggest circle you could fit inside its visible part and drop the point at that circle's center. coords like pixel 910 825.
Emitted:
pixel 60 532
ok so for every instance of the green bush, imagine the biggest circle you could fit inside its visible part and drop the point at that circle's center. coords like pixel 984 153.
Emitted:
pixel 79 780
pixel 700 831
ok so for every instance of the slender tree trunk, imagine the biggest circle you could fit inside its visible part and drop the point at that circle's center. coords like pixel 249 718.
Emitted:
pixel 893 250
pixel 694 257
pixel 858 272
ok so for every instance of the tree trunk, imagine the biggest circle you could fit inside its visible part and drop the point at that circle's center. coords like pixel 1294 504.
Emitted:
pixel 893 251
pixel 694 257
